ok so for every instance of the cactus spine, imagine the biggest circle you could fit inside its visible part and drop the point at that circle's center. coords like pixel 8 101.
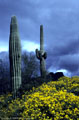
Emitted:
pixel 41 54
pixel 14 56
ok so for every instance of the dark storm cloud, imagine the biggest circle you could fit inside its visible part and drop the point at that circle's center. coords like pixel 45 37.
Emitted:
pixel 66 49
pixel 22 9
pixel 65 57
pixel 64 62
pixel 57 17
pixel 70 62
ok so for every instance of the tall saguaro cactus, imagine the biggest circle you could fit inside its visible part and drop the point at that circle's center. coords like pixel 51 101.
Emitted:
pixel 14 56
pixel 41 54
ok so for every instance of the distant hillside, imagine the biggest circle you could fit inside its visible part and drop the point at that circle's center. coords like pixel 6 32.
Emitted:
pixel 55 100
pixel 4 55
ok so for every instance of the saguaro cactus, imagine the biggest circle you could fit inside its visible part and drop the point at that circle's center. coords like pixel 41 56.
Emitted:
pixel 41 54
pixel 14 56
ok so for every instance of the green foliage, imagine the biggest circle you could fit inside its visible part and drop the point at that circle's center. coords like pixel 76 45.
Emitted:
pixel 41 54
pixel 52 100
pixel 14 56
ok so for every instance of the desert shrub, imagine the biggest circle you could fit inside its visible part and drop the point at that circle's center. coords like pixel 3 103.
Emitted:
pixel 50 100
pixel 29 67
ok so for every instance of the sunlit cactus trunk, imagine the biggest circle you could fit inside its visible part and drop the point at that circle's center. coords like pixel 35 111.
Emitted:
pixel 41 54
pixel 15 56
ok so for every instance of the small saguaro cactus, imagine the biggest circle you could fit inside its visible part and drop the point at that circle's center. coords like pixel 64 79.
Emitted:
pixel 41 54
pixel 14 56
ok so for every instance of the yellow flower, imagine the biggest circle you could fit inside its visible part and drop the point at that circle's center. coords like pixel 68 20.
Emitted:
pixel 66 116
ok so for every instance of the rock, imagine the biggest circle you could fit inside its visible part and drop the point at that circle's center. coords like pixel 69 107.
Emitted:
pixel 54 76
pixel 50 76
pixel 58 75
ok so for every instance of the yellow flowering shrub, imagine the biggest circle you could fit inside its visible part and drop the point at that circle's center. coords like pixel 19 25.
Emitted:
pixel 55 100
pixel 59 105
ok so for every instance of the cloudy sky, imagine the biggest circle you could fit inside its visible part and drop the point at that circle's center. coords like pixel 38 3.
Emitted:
pixel 60 19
